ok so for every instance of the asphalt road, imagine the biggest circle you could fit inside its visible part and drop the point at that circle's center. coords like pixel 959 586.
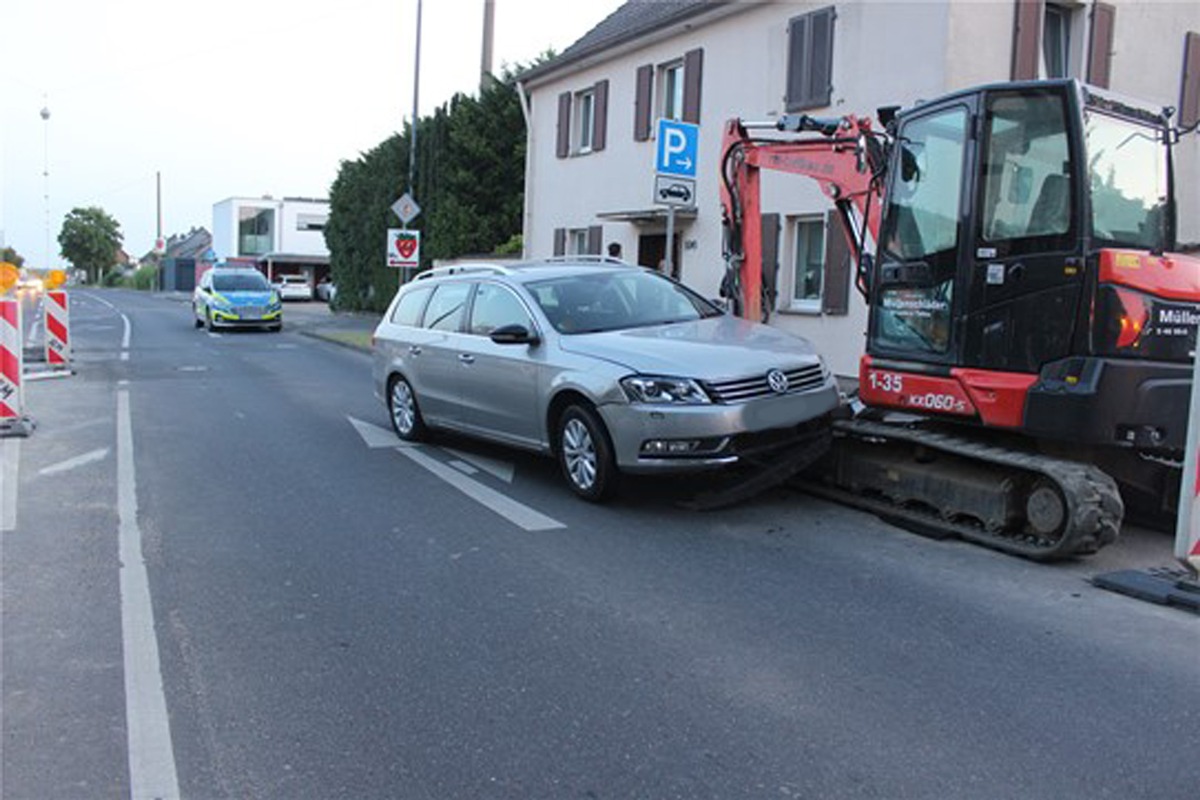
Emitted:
pixel 225 579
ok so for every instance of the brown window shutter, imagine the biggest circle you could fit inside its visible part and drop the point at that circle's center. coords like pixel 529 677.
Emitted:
pixel 693 70
pixel 595 235
pixel 560 241
pixel 810 60
pixel 641 107
pixel 821 61
pixel 835 295
pixel 1104 17
pixel 600 115
pixel 563 148
pixel 1027 39
pixel 1189 96
pixel 770 262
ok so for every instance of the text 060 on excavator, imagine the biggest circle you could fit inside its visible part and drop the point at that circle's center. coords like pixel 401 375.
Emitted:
pixel 1027 369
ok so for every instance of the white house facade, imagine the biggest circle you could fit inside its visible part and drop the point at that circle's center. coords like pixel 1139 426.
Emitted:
pixel 590 170
pixel 284 236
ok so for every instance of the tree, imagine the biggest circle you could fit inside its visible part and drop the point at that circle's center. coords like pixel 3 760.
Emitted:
pixel 91 240
pixel 469 183
pixel 11 256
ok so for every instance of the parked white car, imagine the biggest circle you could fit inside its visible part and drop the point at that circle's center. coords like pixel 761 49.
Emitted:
pixel 294 287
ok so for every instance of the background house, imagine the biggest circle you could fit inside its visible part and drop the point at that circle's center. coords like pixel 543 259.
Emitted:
pixel 589 168
pixel 183 253
pixel 282 237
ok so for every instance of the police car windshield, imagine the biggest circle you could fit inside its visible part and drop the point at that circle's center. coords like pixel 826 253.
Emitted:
pixel 240 282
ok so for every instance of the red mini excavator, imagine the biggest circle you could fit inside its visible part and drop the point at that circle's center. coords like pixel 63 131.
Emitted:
pixel 1031 325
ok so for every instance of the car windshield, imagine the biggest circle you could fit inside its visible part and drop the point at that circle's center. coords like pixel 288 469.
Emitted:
pixel 241 282
pixel 608 301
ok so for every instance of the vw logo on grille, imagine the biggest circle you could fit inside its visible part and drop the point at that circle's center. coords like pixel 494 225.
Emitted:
pixel 777 381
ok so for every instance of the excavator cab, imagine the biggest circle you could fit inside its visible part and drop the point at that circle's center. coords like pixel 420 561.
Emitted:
pixel 1024 275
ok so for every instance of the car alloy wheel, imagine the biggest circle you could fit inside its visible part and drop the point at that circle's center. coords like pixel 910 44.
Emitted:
pixel 585 455
pixel 406 416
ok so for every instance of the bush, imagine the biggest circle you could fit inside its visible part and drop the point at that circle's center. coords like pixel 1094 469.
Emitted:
pixel 145 279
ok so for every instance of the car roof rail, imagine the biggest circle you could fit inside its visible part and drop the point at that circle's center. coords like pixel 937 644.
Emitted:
pixel 463 269
pixel 582 258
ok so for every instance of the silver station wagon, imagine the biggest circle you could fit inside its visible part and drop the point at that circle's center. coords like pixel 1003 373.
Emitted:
pixel 609 367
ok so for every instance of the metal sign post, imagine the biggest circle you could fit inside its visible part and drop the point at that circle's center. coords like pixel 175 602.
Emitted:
pixel 675 174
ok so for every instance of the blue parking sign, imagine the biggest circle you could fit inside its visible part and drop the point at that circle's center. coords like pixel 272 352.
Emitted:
pixel 675 150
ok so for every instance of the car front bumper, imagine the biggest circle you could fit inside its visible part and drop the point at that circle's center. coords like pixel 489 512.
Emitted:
pixel 682 438
pixel 234 319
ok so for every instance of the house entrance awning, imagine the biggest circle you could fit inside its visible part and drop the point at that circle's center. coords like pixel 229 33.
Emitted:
pixel 648 216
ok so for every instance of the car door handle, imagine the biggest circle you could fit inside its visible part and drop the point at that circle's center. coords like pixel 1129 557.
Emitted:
pixel 466 358
pixel 414 350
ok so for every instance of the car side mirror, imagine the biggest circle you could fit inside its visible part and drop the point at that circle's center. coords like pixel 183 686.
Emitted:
pixel 513 334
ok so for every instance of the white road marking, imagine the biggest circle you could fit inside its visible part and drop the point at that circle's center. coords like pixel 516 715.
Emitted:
pixel 152 774
pixel 77 461
pixel 464 467
pixel 10 473
pixel 494 466
pixel 376 437
pixel 125 337
pixel 521 515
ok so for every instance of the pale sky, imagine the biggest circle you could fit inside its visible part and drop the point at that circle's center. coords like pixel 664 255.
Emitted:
pixel 225 97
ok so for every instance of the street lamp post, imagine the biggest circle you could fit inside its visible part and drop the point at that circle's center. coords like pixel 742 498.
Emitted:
pixel 46 179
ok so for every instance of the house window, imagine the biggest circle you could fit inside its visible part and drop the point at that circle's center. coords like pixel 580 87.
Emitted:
pixel 810 60
pixel 256 231
pixel 311 222
pixel 1056 42
pixel 808 263
pixel 671 90
pixel 585 110
pixel 577 241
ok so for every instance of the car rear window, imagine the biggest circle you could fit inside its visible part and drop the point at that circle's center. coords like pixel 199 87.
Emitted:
pixel 408 307
pixel 445 310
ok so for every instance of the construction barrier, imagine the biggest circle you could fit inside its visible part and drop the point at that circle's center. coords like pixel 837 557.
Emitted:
pixel 58 327
pixel 12 363
pixel 1187 530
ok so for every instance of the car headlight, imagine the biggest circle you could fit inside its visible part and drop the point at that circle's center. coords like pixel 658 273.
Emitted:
pixel 663 389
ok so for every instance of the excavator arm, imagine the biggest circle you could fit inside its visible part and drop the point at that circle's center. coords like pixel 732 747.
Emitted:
pixel 844 156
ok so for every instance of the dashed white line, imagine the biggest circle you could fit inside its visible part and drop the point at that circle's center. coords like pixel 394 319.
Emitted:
pixel 152 773
pixel 10 465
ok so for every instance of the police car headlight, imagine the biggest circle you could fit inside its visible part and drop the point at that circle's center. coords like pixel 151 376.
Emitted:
pixel 659 389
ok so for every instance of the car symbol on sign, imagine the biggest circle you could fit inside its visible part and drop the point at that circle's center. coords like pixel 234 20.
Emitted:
pixel 675 190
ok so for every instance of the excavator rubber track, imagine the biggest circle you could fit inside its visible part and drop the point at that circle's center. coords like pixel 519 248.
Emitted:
pixel 944 485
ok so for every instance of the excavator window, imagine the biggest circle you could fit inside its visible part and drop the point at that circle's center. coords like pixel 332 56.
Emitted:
pixel 1027 186
pixel 1127 162
pixel 920 235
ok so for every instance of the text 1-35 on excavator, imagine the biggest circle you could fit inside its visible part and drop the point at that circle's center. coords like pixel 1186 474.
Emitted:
pixel 1030 326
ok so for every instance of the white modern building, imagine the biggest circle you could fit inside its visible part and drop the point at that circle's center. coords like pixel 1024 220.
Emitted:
pixel 284 236
pixel 591 112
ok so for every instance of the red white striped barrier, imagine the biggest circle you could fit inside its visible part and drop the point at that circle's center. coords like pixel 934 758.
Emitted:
pixel 12 363
pixel 1187 529
pixel 58 327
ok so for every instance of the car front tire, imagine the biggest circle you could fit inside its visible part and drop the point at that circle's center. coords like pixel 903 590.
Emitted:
pixel 586 455
pixel 208 320
pixel 404 411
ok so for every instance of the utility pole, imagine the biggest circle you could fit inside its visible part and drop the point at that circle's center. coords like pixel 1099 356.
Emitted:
pixel 412 143
pixel 489 35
